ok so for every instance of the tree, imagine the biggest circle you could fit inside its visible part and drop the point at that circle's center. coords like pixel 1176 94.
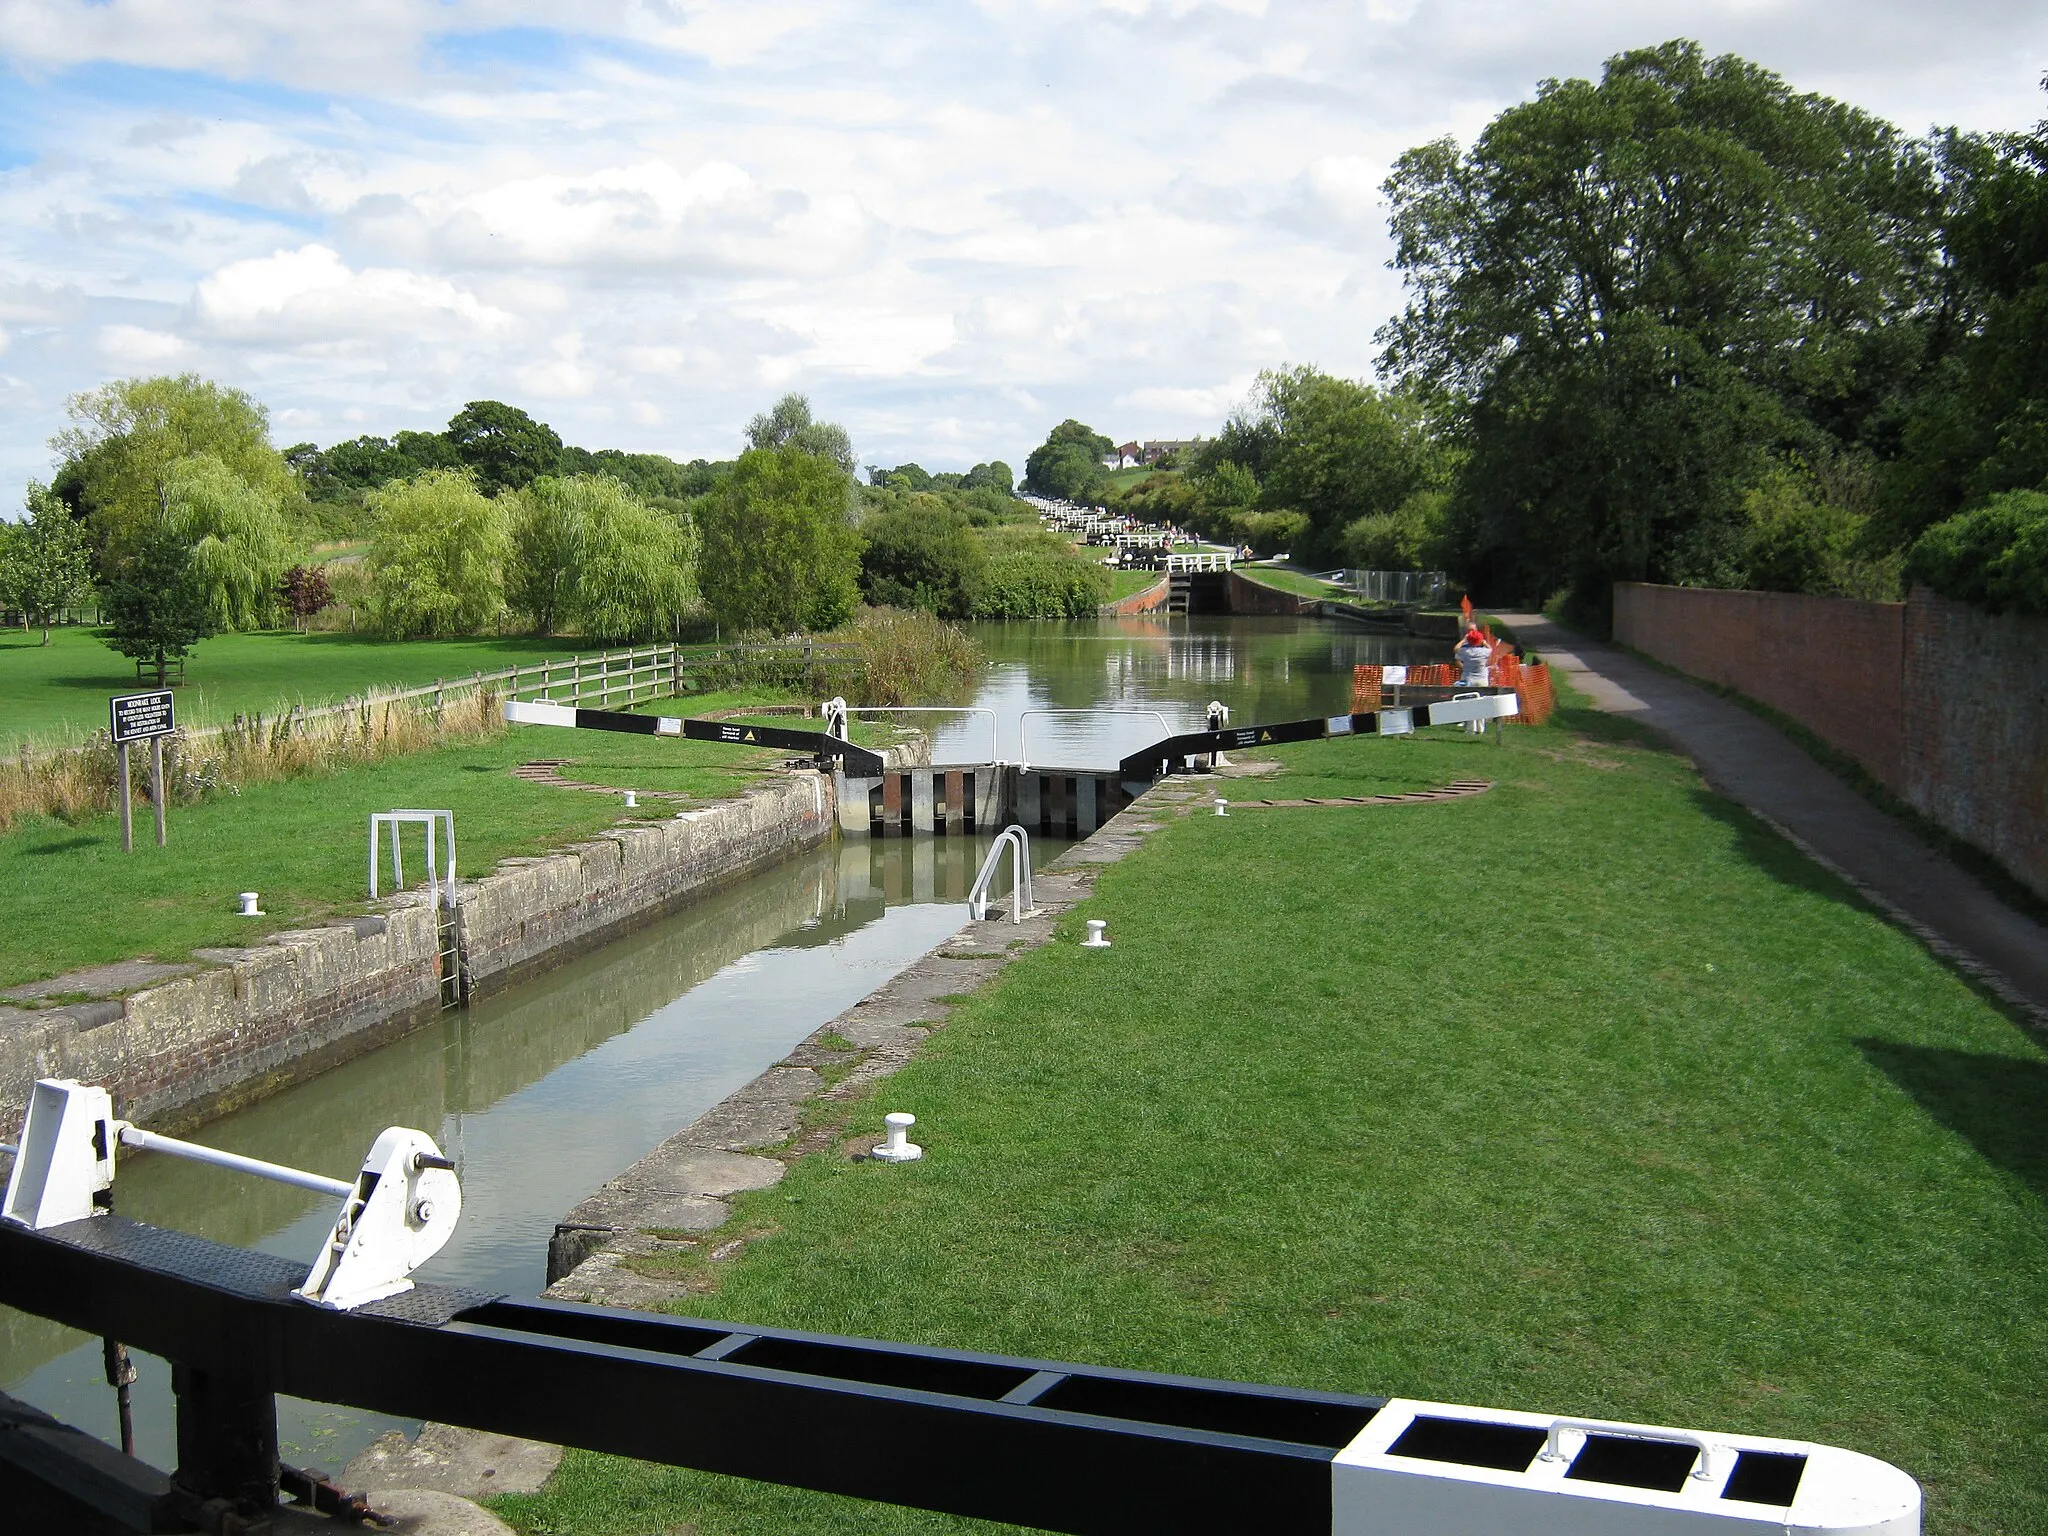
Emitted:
pixel 45 563
pixel 304 591
pixel 502 446
pixel 1635 294
pixel 437 558
pixel 587 552
pixel 921 554
pixel 1068 464
pixel 156 603
pixel 1995 556
pixel 789 424
pixel 780 552
pixel 127 435
pixel 994 475
pixel 241 543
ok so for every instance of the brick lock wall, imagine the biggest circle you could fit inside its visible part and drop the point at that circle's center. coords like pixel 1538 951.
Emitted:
pixel 1976 740
pixel 1834 664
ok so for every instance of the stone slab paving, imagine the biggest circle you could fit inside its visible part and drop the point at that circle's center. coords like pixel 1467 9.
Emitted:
pixel 1752 763
pixel 99 981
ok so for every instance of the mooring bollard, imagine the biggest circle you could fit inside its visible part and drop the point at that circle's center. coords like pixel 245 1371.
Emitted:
pixel 1097 939
pixel 248 900
pixel 1221 805
pixel 632 800
pixel 899 1148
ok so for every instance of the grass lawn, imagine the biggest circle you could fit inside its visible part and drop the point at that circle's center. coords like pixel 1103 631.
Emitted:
pixel 301 842
pixel 1588 1095
pixel 1299 583
pixel 1123 584
pixel 59 693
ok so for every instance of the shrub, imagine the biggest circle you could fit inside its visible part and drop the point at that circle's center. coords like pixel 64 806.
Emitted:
pixel 921 554
pixel 1995 557
pixel 910 657
pixel 1033 583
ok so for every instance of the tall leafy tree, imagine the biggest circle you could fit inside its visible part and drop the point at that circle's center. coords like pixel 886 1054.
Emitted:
pixel 587 552
pixel 1068 464
pixel 780 551
pixel 241 542
pixel 502 446
pixel 45 563
pixel 127 435
pixel 921 553
pixel 437 559
pixel 157 606
pixel 788 423
pixel 1640 290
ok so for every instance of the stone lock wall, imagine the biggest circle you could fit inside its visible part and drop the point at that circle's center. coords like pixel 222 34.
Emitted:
pixel 260 1018
pixel 1943 704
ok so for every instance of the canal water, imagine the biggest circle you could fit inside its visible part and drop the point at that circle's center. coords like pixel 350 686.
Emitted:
pixel 544 1092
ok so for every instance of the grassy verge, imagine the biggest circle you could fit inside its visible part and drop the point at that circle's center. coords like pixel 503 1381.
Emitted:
pixel 1123 584
pixel 300 841
pixel 1587 1095
pixel 59 692
pixel 1299 583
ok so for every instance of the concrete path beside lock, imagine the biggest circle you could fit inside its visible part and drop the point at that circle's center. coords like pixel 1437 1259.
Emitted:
pixel 1754 764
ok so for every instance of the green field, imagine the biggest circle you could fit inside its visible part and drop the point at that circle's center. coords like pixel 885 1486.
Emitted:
pixel 301 842
pixel 1589 1096
pixel 1123 584
pixel 58 693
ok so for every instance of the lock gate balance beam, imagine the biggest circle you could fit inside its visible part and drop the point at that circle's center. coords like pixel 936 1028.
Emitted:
pixel 826 748
pixel 1059 1447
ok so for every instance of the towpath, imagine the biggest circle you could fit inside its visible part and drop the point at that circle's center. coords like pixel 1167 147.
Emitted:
pixel 1753 763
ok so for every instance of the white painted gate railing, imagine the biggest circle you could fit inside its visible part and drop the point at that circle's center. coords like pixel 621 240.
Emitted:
pixel 1018 841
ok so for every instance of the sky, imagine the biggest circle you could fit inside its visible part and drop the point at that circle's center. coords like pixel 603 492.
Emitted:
pixel 951 225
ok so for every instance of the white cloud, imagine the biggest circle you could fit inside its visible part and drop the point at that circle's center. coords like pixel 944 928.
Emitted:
pixel 310 294
pixel 135 346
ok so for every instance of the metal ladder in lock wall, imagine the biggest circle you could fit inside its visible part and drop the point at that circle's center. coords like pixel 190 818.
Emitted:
pixel 440 889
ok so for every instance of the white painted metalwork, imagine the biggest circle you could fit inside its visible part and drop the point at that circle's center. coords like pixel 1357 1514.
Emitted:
pixel 1404 1476
pixel 1023 721
pixel 1098 934
pixel 250 904
pixel 897 1147
pixel 994 745
pixel 1207 560
pixel 1022 904
pixel 398 1212
pixel 443 893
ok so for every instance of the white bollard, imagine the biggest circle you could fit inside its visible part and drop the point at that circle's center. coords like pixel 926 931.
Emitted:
pixel 632 800
pixel 899 1148
pixel 1096 939
pixel 1221 803
pixel 249 908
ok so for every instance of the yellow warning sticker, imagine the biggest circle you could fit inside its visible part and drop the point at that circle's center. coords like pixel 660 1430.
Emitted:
pixel 1265 735
pixel 749 736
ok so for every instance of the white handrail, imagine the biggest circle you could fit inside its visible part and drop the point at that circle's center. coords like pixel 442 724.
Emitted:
pixel 994 745
pixel 1018 841
pixel 1553 1446
pixel 1024 752
pixel 150 1141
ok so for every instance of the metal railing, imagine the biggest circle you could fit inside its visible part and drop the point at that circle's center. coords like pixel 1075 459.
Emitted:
pixel 1024 750
pixel 994 745
pixel 1022 905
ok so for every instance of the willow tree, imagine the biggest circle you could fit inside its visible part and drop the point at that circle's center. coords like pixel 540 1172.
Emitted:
pixel 437 556
pixel 242 543
pixel 588 553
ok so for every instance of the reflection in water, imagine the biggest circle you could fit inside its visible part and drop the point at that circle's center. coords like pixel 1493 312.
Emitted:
pixel 1265 669
pixel 540 1094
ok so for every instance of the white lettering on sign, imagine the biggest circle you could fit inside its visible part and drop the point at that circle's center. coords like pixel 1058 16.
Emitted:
pixel 139 716
pixel 728 733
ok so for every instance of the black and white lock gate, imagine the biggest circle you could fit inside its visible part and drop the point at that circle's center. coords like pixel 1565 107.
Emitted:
pixel 825 747
pixel 1033 1442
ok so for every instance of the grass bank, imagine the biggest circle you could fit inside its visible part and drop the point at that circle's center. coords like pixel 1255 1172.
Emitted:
pixel 300 841
pixel 1300 583
pixel 1588 1095
pixel 58 693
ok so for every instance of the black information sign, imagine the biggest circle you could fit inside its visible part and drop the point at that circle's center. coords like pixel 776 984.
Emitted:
pixel 139 716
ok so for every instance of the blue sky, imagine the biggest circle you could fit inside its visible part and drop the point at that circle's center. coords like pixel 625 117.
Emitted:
pixel 951 225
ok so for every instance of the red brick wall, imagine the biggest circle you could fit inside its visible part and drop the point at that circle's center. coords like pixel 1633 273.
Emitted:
pixel 1151 600
pixel 1976 740
pixel 1831 663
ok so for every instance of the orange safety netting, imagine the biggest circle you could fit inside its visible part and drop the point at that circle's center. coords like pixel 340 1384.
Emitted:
pixel 1530 680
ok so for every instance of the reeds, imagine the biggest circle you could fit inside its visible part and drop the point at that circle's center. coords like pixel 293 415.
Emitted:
pixel 77 782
